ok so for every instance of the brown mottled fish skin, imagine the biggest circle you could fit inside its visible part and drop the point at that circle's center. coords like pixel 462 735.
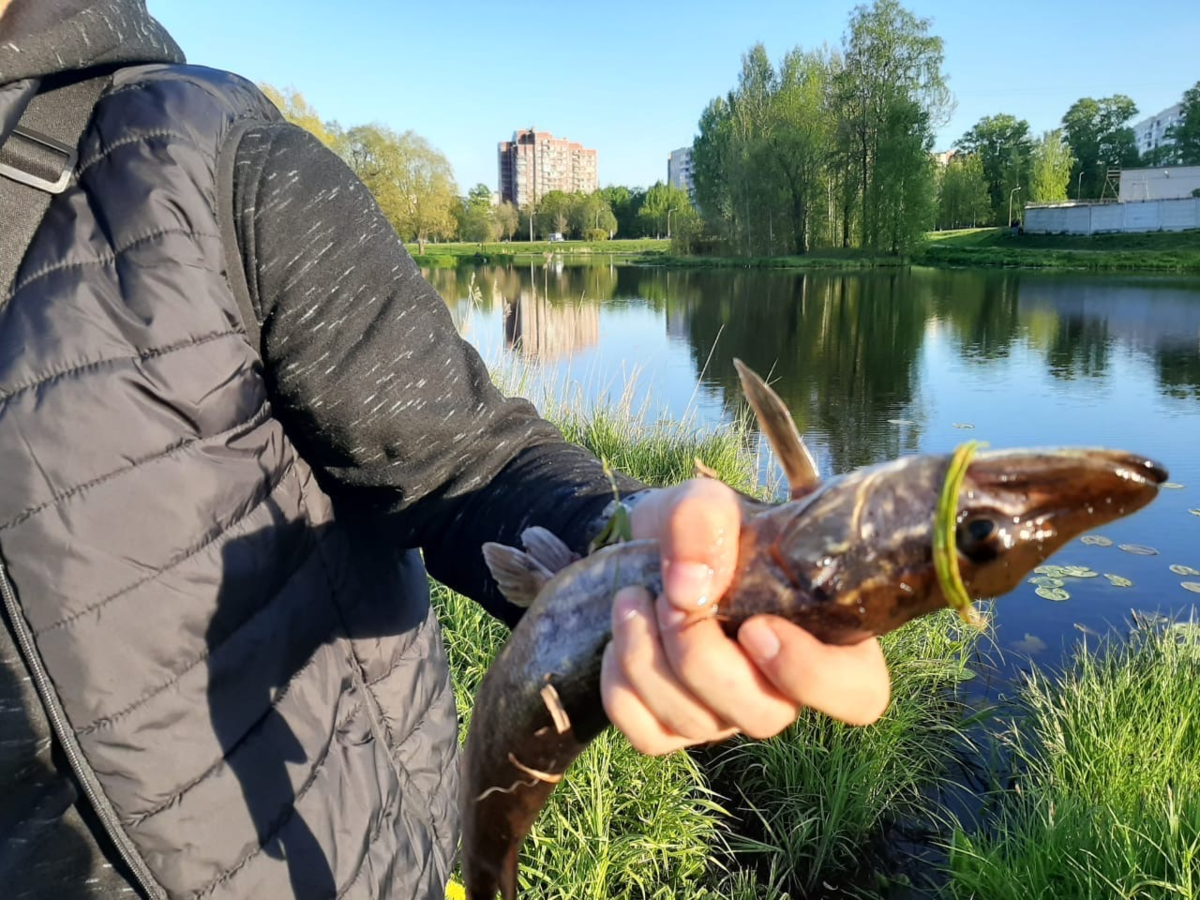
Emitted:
pixel 850 560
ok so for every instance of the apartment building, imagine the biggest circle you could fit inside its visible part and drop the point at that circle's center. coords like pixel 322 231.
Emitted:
pixel 535 162
pixel 679 170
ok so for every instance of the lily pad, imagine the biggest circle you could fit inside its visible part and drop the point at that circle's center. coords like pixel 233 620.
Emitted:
pixel 1079 572
pixel 1047 581
pixel 1172 485
pixel 1138 549
pixel 1052 593
pixel 1118 580
pixel 1194 512
pixel 1096 540
pixel 1193 586
pixel 963 425
pixel 1183 570
pixel 1052 571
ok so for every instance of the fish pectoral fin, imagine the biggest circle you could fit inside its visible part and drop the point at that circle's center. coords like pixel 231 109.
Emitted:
pixel 547 548
pixel 780 430
pixel 519 576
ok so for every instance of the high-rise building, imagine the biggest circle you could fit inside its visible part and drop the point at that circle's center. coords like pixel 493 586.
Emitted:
pixel 534 163
pixel 679 170
pixel 1151 132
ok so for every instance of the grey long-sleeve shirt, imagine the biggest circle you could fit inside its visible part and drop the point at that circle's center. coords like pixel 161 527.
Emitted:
pixel 395 412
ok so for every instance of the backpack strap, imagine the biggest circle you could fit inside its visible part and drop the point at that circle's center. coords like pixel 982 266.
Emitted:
pixel 38 160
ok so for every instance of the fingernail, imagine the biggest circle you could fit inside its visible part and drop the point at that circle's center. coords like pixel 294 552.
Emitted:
pixel 759 640
pixel 626 608
pixel 687 584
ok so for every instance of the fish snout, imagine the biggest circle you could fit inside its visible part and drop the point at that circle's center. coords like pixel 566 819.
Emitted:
pixel 1018 508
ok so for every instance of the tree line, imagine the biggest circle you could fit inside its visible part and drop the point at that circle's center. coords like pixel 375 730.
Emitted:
pixel 414 185
pixel 832 147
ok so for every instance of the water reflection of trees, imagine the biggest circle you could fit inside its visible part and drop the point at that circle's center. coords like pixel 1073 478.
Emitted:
pixel 841 351
pixel 842 348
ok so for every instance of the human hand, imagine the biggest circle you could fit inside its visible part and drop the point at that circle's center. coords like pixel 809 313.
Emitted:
pixel 671 677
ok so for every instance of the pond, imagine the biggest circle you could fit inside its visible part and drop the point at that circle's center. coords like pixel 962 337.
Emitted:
pixel 878 364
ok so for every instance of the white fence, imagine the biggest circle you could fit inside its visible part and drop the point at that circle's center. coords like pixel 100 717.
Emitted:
pixel 1100 218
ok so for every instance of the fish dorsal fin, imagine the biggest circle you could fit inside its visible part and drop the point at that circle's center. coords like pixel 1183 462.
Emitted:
pixel 519 576
pixel 547 548
pixel 779 427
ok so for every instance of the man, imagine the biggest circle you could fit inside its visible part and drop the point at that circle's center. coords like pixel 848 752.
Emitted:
pixel 232 417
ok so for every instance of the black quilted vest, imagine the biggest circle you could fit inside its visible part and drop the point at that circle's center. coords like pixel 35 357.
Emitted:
pixel 250 692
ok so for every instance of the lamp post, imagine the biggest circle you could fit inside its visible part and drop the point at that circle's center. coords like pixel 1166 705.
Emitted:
pixel 1010 200
pixel 669 211
pixel 1079 187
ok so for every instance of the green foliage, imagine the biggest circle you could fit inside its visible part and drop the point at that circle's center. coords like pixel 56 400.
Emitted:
pixel 1051 169
pixel 412 182
pixel 1005 148
pixel 1102 798
pixel 813 800
pixel 478 221
pixel 826 149
pixel 507 220
pixel 296 110
pixel 663 202
pixel 963 199
pixel 595 234
pixel 1100 138
pixel 1186 132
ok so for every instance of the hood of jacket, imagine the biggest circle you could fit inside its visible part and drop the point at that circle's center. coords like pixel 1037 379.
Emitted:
pixel 46 40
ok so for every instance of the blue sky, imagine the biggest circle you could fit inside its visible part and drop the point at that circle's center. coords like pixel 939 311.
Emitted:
pixel 631 79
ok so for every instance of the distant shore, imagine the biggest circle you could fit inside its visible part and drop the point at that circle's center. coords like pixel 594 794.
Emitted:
pixel 966 248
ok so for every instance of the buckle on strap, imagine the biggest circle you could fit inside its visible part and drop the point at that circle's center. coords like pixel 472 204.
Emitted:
pixel 37 160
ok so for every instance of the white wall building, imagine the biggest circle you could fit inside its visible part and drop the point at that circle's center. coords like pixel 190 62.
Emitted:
pixel 679 169
pixel 1151 131
pixel 1159 183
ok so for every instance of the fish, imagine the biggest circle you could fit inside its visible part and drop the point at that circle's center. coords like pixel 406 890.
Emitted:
pixel 846 558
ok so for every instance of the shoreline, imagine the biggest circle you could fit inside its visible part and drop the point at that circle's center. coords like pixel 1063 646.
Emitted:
pixel 1154 252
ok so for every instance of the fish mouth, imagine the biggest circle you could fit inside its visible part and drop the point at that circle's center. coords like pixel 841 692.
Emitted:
pixel 1034 502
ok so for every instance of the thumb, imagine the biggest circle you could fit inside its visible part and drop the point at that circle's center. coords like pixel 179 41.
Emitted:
pixel 697 525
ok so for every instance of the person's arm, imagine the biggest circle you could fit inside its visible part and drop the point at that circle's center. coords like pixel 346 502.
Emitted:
pixel 393 410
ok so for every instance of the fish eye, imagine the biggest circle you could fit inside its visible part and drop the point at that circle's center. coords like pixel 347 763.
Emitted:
pixel 976 539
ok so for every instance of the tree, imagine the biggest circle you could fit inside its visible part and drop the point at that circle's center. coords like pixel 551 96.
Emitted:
pixel 412 182
pixel 663 203
pixel 625 204
pixel 1051 168
pixel 963 199
pixel 478 222
pixel 591 213
pixel 553 213
pixel 1100 138
pixel 296 110
pixel 506 219
pixel 892 75
pixel 1186 132
pixel 1003 145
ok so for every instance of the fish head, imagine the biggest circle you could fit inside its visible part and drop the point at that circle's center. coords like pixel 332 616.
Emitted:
pixel 858 556
pixel 1016 508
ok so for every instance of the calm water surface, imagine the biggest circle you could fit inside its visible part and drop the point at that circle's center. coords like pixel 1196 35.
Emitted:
pixel 876 365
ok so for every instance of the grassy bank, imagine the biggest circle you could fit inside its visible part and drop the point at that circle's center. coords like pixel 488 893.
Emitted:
pixel 1103 799
pixel 1153 252
pixel 451 255
pixel 824 258
pixel 748 819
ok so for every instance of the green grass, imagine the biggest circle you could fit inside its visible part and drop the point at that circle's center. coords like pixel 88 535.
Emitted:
pixel 1104 796
pixel 465 253
pixel 1165 251
pixel 814 802
pixel 824 258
